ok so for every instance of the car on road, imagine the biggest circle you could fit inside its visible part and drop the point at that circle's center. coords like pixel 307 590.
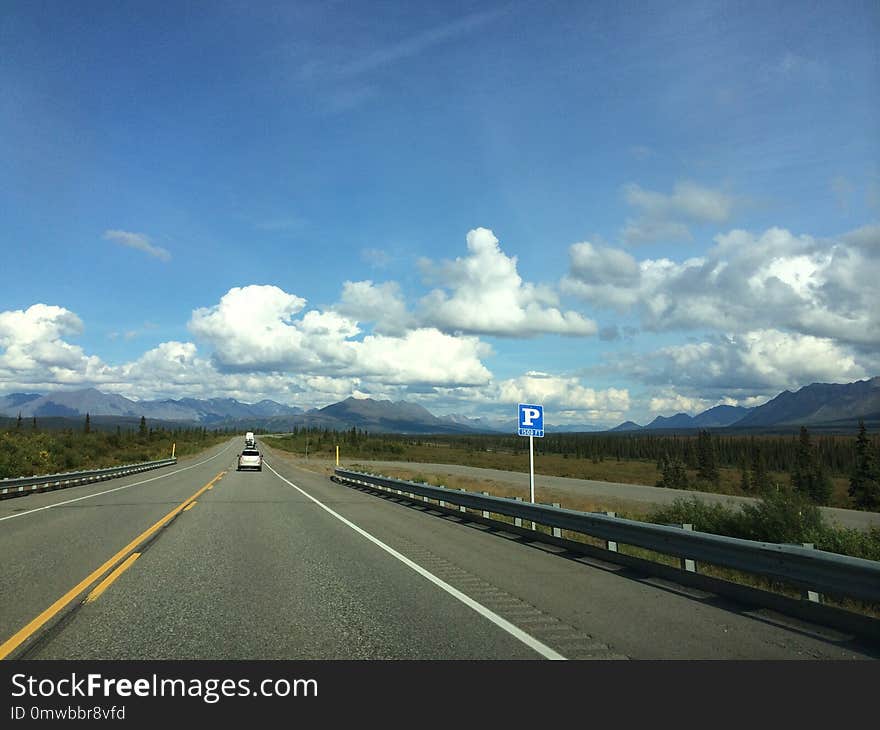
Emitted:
pixel 250 459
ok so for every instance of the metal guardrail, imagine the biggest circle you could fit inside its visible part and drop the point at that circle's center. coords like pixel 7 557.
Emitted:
pixel 813 570
pixel 21 486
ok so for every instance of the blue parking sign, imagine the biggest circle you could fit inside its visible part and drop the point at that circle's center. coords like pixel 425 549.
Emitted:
pixel 531 420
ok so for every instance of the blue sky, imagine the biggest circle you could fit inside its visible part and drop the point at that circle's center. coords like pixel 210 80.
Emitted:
pixel 619 209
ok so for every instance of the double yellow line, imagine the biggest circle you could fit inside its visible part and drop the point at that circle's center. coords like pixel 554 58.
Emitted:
pixel 23 634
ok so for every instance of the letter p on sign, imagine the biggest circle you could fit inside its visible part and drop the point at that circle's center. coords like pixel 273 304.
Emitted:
pixel 529 415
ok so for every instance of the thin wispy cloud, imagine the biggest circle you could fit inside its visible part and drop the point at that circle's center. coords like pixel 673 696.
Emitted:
pixel 843 191
pixel 343 100
pixel 793 65
pixel 418 44
pixel 344 81
pixel 376 257
pixel 132 333
pixel 641 152
pixel 138 241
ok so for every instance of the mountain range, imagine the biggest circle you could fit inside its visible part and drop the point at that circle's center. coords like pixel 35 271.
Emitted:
pixel 827 404
pixel 364 413
pixel 717 417
pixel 76 403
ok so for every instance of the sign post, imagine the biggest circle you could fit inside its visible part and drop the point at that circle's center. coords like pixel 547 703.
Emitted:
pixel 531 424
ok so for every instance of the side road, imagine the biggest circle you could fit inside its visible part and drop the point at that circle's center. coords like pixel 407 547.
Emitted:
pixel 612 495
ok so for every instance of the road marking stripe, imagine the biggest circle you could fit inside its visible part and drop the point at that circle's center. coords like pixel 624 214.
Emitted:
pixel 24 633
pixel 502 623
pixel 105 584
pixel 189 506
pixel 115 489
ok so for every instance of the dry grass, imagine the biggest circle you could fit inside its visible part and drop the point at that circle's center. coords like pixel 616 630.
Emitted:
pixel 624 508
pixel 625 471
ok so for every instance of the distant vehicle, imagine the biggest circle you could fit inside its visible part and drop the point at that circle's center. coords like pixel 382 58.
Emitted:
pixel 250 459
pixel 249 439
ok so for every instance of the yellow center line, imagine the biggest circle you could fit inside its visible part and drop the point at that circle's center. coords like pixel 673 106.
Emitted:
pixel 189 506
pixel 24 633
pixel 105 584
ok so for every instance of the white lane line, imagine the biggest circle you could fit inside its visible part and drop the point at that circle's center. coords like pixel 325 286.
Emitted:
pixel 527 639
pixel 115 489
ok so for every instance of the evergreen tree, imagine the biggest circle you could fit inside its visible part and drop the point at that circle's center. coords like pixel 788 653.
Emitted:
pixel 18 423
pixel 662 467
pixel 745 483
pixel 34 424
pixel 88 426
pixel 864 482
pixel 142 429
pixel 800 475
pixel 821 488
pixel 674 474
pixel 808 478
pixel 760 477
pixel 707 464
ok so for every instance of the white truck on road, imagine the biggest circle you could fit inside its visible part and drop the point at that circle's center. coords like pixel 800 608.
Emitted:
pixel 249 440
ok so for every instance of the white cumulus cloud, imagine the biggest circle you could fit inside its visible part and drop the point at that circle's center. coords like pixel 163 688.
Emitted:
pixel 668 401
pixel 562 392
pixel 253 329
pixel 379 303
pixel 601 274
pixel 743 365
pixel 775 280
pixel 32 342
pixel 482 293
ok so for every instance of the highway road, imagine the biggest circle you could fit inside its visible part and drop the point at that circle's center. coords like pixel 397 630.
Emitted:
pixel 285 564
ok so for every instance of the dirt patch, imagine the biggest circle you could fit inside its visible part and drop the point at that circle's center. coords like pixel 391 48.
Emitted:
pixel 318 466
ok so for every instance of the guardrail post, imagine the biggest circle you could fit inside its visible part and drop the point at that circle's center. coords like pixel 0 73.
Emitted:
pixel 808 595
pixel 686 563
pixel 557 532
pixel 461 507
pixel 485 512
pixel 517 521
pixel 611 545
